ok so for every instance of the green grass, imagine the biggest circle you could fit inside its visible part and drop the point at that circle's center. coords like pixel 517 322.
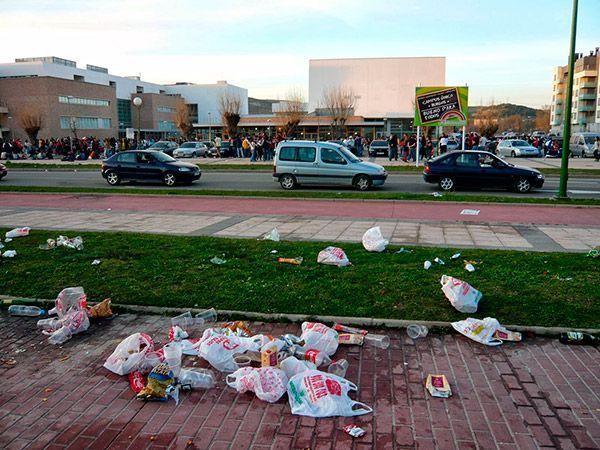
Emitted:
pixel 344 194
pixel 518 287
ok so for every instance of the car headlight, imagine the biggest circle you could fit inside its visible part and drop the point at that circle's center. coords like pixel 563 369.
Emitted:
pixel 184 169
pixel 539 175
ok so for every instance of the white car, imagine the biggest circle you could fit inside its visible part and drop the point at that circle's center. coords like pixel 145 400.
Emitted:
pixel 517 147
pixel 190 150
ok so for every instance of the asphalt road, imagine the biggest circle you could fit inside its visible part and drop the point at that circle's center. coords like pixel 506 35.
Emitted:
pixel 262 181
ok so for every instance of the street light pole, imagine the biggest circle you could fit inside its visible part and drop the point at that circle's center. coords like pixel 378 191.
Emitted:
pixel 137 101
pixel 564 167
pixel 209 128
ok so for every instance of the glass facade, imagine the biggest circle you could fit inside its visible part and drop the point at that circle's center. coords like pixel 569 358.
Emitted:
pixel 165 109
pixel 124 112
pixel 82 101
pixel 86 123
pixel 166 125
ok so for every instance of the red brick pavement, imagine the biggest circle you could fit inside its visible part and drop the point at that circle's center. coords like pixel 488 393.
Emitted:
pixel 529 395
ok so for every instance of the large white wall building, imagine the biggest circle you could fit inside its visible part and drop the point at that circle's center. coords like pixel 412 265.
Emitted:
pixel 384 87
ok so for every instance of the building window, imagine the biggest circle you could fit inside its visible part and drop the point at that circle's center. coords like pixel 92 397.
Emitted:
pixel 112 83
pixel 86 123
pixel 78 78
pixel 82 101
pixel 165 125
pixel 165 109
pixel 124 112
pixel 139 89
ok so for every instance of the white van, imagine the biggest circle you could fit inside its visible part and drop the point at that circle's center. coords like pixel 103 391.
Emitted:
pixel 582 144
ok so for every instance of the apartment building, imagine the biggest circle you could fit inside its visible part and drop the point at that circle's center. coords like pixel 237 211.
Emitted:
pixel 585 102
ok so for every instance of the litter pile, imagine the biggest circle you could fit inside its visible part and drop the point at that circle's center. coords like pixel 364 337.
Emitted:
pixel 268 366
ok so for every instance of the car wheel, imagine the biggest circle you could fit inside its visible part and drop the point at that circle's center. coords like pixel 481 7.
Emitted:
pixel 113 178
pixel 169 179
pixel 362 182
pixel 522 185
pixel 446 184
pixel 287 181
pixel 513 154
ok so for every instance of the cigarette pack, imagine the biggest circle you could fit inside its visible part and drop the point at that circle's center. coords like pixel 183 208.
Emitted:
pixel 438 386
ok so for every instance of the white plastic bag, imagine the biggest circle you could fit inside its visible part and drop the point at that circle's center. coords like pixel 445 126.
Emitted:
pixel 17 232
pixel 319 337
pixel 219 350
pixel 268 383
pixel 272 235
pixel 333 256
pixel 481 331
pixel 462 295
pixel 319 394
pixel 129 354
pixel 373 240
pixel 71 308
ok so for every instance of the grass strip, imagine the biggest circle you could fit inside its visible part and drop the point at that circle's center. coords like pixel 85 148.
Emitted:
pixel 524 288
pixel 305 194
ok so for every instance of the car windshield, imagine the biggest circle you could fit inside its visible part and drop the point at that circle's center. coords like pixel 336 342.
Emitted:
pixel 591 139
pixel 188 145
pixel 520 144
pixel 159 145
pixel 349 156
pixel 163 157
pixel 379 144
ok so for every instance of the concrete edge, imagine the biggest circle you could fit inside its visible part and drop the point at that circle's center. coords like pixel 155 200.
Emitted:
pixel 6 300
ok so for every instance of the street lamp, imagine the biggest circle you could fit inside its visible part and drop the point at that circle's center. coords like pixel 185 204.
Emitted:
pixel 209 127
pixel 12 131
pixel 137 102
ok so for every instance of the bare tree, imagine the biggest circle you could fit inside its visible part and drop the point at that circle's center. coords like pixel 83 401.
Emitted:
pixel 512 123
pixel 340 104
pixel 183 122
pixel 31 121
pixel 291 113
pixel 487 122
pixel 230 106
pixel 542 118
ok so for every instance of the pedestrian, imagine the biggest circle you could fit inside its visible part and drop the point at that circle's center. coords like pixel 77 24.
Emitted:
pixel 596 148
pixel 443 144
pixel 393 143
pixel 412 148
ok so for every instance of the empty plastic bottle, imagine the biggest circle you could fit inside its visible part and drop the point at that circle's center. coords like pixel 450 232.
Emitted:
pixel 24 310
pixel 197 378
pixel 51 324
pixel 314 356
pixel 338 368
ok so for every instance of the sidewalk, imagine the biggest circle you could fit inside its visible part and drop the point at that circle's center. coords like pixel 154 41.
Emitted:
pixel 520 227
pixel 538 393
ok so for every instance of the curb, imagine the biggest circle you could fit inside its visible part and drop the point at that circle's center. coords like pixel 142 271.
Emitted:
pixel 6 300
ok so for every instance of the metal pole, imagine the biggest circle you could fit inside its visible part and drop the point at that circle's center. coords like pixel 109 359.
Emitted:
pixel 564 167
pixel 463 136
pixel 138 137
pixel 418 145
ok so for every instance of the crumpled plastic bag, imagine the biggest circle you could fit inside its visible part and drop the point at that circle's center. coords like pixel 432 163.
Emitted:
pixel 272 235
pixel 318 394
pixel 268 383
pixel 462 295
pixel 74 243
pixel 333 256
pixel 17 232
pixel 481 331
pixel 71 308
pixel 129 354
pixel 319 337
pixel 9 254
pixel 219 350
pixel 158 383
pixel 373 240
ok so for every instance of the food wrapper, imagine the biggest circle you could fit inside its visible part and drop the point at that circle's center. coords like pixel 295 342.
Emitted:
pixel 101 310
pixel 354 430
pixel 159 380
pixel 438 386
pixel 237 328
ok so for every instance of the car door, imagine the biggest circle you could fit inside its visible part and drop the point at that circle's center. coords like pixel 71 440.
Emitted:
pixel 126 165
pixel 467 170
pixel 143 167
pixel 492 170
pixel 301 161
pixel 333 167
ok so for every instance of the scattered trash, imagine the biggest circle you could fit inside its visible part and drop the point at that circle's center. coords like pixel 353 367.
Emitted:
pixel 129 354
pixel 437 194
pixel 177 334
pixel 8 240
pixel 219 350
pixel 268 383
pixel 242 361
pixel 347 329
pixel 483 331
pixel 351 339
pixel 462 295
pixel 49 245
pixel 317 336
pixel 292 366
pixel 196 379
pixel 578 338
pixel 159 380
pixel 559 278
pixel 373 240
pixel 469 267
pixel 137 381
pixel 17 232
pixel 338 368
pixel 218 261
pixel 76 243
pixel 173 354
pixel 272 235
pixel 403 250
pixel 96 262
pixel 505 335
pixel 377 340
pixel 274 251
pixel 8 362
pixel 24 310
pixel 455 256
pixel 470 212
pixel 438 386
pixel 296 261
pixel 593 253
pixel 9 254
pixel 71 308
pixel 101 310
pixel 427 265
pixel 314 356
pixel 333 256
pixel 439 261
pixel 318 394
pixel 1 245
pixel 417 331
pixel 354 430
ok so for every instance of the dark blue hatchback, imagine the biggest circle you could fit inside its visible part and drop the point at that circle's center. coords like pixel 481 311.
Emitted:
pixel 479 169
pixel 148 165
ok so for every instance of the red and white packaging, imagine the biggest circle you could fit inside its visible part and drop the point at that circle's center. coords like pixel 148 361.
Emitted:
pixel 351 339
pixel 354 430
pixel 319 337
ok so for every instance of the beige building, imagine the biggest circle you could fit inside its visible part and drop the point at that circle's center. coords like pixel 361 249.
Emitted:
pixel 585 102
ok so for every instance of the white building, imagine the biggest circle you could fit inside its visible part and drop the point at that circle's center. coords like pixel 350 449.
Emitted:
pixel 384 88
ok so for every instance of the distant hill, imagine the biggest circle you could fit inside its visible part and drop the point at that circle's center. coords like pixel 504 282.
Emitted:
pixel 504 110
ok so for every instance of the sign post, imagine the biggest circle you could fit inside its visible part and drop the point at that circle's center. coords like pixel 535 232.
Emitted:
pixel 418 145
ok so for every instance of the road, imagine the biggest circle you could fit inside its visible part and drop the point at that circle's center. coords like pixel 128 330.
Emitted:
pixel 262 181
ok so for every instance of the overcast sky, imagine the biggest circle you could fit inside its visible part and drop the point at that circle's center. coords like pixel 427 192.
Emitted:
pixel 504 50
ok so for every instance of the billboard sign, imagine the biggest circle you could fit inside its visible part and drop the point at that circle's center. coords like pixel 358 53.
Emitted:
pixel 441 106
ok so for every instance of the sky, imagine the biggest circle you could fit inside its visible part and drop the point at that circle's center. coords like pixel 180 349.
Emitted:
pixel 504 51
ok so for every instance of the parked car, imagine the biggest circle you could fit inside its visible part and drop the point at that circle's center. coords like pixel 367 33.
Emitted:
pixel 517 147
pixel 227 151
pixel 3 171
pixel 582 144
pixel 167 147
pixel 323 163
pixel 209 144
pixel 379 147
pixel 479 169
pixel 190 150
pixel 148 165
